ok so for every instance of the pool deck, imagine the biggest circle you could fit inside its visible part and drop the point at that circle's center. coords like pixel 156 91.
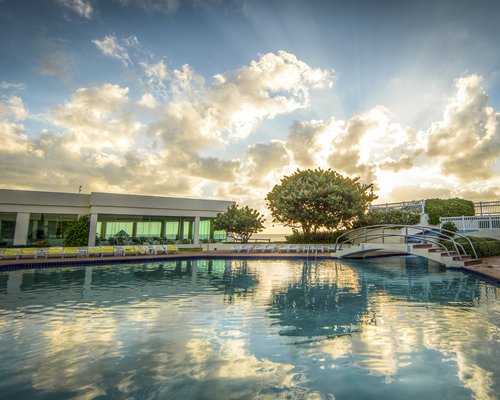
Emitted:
pixel 489 268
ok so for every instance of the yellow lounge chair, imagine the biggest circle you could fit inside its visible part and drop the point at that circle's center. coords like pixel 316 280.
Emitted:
pixel 107 251
pixel 94 251
pixel 171 249
pixel 70 252
pixel 129 251
pixel 11 253
pixel 28 253
pixel 54 252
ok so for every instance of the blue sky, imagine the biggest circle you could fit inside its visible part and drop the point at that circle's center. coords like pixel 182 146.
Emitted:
pixel 222 98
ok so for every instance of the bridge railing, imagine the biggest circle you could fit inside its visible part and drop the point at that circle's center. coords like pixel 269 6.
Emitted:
pixel 422 233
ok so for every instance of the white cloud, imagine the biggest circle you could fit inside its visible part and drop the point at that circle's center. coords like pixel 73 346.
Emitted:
pixel 11 86
pixel 467 140
pixel 81 7
pixel 155 72
pixel 156 77
pixel 12 107
pixel 148 100
pixel 111 47
pixel 96 118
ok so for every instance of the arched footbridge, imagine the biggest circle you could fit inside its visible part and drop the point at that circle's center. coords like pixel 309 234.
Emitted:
pixel 436 244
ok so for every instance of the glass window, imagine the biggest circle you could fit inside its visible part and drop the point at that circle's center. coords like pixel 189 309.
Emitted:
pixel 7 228
pixel 204 229
pixel 49 227
pixel 125 229
pixel 149 229
pixel 172 230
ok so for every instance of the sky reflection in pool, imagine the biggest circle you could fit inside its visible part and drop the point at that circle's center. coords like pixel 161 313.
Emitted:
pixel 220 329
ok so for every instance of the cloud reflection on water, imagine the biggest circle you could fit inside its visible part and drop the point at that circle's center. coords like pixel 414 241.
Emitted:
pixel 249 327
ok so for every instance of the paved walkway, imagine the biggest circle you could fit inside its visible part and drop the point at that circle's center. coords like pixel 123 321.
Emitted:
pixel 490 268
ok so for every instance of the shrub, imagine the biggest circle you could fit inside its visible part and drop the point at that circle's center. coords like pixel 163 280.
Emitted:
pixel 42 243
pixel 436 208
pixel 317 238
pixel 77 233
pixel 485 247
pixel 392 217
pixel 450 226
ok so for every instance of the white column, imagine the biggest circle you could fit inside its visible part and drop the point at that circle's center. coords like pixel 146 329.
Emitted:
pixel 196 236
pixel 92 229
pixel 21 232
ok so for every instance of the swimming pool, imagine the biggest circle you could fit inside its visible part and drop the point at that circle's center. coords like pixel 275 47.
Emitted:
pixel 236 329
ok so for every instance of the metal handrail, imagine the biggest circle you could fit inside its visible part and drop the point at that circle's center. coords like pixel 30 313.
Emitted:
pixel 429 239
pixel 442 234
pixel 426 237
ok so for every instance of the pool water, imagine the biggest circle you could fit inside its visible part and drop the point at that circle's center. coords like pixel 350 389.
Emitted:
pixel 239 329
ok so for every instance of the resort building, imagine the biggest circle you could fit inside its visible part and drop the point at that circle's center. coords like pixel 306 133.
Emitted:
pixel 27 217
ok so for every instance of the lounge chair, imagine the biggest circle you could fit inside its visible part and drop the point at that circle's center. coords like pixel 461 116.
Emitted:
pixel 107 251
pixel 171 249
pixel 129 251
pixel 11 253
pixel 54 252
pixel 272 248
pixel 70 252
pixel 28 253
pixel 94 251
pixel 286 248
pixel 118 250
pixel 158 249
pixel 261 247
pixel 143 249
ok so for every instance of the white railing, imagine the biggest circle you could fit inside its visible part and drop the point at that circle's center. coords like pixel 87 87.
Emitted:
pixel 414 205
pixel 473 223
pixel 487 208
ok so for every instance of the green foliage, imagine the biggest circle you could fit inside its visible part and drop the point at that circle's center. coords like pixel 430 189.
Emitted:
pixel 436 208
pixel 77 233
pixel 485 247
pixel 241 222
pixel 42 243
pixel 318 199
pixel 392 217
pixel 450 226
pixel 313 238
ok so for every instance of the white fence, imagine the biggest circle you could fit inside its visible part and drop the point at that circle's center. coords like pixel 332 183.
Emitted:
pixel 487 208
pixel 475 223
pixel 414 205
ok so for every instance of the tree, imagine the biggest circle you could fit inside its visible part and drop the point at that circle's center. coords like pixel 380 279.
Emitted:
pixel 319 199
pixel 77 233
pixel 241 222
